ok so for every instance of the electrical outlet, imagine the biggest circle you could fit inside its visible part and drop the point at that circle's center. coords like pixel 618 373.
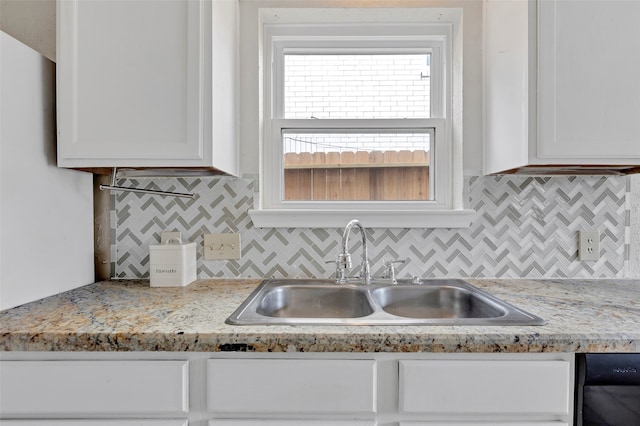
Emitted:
pixel 589 248
pixel 221 246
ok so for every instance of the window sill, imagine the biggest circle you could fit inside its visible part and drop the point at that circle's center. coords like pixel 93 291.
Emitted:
pixel 373 219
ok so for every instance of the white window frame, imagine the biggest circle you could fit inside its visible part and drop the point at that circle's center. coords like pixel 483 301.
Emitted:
pixel 444 210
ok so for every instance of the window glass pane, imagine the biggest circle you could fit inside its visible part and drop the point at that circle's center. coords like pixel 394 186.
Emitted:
pixel 354 86
pixel 357 166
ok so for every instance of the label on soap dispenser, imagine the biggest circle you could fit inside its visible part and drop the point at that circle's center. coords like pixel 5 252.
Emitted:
pixel 172 265
pixel 165 270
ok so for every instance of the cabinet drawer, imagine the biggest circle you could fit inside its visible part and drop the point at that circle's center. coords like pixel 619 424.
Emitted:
pixel 291 386
pixel 289 422
pixel 83 387
pixel 488 423
pixel 485 386
pixel 94 423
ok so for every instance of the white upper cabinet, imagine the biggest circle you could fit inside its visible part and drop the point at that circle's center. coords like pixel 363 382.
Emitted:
pixel 589 85
pixel 147 83
pixel 561 85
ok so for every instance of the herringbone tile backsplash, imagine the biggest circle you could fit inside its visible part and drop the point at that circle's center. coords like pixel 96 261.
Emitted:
pixel 524 227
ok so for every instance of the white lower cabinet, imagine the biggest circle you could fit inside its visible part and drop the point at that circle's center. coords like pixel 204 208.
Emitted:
pixel 39 392
pixel 285 389
pixel 493 423
pixel 392 389
pixel 94 422
pixel 283 422
pixel 291 386
pixel 485 387
pixel 86 387
pixel 295 387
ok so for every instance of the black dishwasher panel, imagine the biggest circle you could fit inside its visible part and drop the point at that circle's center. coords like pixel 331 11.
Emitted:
pixel 608 390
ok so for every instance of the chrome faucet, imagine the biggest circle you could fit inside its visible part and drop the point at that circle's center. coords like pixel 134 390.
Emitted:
pixel 343 264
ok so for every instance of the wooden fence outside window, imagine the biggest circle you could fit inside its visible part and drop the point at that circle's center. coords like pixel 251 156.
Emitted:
pixel 357 176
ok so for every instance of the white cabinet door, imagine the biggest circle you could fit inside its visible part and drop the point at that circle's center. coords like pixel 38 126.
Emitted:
pixel 588 85
pixel 485 387
pixel 561 85
pixel 94 422
pixel 135 83
pixel 289 422
pixel 291 386
pixel 93 387
pixel 492 423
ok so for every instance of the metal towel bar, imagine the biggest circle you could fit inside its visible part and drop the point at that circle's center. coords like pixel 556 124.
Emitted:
pixel 114 187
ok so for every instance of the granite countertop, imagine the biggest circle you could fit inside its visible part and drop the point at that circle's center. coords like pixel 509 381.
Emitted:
pixel 582 316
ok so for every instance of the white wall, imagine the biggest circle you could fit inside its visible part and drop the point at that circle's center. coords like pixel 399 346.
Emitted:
pixel 46 213
pixel 33 22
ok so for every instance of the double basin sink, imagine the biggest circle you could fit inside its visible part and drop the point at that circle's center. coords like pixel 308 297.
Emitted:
pixel 433 302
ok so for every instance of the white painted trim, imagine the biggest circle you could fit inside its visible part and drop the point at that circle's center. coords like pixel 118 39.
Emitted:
pixel 440 153
pixel 280 218
pixel 445 209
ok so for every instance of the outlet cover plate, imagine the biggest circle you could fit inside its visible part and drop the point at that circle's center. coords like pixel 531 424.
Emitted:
pixel 222 246
pixel 589 245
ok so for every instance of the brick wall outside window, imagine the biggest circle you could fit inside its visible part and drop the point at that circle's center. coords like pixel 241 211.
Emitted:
pixel 357 87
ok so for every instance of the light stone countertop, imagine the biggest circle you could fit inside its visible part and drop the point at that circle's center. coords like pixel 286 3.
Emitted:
pixel 582 316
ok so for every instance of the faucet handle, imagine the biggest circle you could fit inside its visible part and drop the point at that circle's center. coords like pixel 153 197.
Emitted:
pixel 342 266
pixel 343 261
pixel 390 270
pixel 389 263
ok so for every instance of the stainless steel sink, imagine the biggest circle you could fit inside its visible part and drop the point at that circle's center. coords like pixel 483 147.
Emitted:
pixel 314 301
pixel 434 302
pixel 444 301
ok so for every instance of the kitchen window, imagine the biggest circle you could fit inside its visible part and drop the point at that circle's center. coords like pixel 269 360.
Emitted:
pixel 357 123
